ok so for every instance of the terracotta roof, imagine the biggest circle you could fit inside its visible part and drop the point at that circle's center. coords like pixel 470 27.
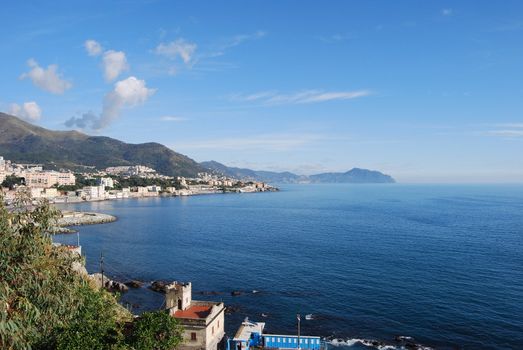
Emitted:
pixel 195 311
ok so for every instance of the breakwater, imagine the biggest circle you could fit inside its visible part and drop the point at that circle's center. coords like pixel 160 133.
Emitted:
pixel 77 218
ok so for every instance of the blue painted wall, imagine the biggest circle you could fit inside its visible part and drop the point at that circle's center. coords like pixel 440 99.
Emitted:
pixel 291 342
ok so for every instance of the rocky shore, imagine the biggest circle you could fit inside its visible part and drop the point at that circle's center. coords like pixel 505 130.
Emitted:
pixel 75 218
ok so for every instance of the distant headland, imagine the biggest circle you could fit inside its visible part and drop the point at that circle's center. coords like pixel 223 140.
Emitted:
pixel 355 175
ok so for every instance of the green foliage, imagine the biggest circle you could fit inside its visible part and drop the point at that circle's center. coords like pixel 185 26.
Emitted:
pixel 46 304
pixel 95 325
pixel 134 181
pixel 11 181
pixel 156 331
pixel 67 188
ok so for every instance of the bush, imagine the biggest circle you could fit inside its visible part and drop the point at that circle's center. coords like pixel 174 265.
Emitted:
pixel 46 304
pixel 156 331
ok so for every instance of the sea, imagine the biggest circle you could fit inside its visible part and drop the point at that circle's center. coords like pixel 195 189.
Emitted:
pixel 379 266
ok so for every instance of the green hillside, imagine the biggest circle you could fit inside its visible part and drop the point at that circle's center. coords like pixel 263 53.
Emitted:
pixel 24 142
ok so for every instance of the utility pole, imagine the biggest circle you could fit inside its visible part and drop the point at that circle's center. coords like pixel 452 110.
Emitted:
pixel 299 320
pixel 102 266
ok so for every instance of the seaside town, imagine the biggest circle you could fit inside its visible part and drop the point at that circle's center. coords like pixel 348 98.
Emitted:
pixel 117 182
pixel 203 321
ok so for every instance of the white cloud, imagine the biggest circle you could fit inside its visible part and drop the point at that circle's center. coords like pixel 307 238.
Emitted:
pixel 447 12
pixel 184 49
pixel 172 118
pixel 29 111
pixel 129 93
pixel 46 79
pixel 93 47
pixel 307 96
pixel 114 63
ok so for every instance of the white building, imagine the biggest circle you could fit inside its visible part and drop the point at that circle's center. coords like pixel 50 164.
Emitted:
pixel 106 182
pixel 94 192
pixel 154 188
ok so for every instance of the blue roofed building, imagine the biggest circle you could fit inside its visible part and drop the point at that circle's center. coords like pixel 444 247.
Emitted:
pixel 250 335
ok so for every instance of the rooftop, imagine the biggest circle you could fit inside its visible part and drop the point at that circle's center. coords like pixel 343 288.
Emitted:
pixel 194 312
pixel 247 328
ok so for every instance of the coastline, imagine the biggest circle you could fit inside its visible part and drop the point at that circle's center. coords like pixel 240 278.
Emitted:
pixel 79 218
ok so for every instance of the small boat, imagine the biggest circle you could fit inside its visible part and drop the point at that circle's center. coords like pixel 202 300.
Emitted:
pixel 264 315
pixel 309 317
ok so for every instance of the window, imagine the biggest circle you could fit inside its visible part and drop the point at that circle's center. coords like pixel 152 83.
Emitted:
pixel 212 330
pixel 284 340
pixel 193 336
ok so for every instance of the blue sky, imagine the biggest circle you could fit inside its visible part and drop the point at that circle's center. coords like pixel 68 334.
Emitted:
pixel 427 91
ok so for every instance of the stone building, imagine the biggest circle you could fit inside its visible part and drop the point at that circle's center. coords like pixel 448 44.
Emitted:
pixel 203 321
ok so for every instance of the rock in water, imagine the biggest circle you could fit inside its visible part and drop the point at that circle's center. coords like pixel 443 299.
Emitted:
pixel 134 284
pixel 159 286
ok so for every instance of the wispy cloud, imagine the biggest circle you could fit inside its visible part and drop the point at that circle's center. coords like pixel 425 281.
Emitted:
pixel 269 142
pixel 236 40
pixel 506 133
pixel 507 130
pixel 509 125
pixel 172 118
pixel 178 48
pixel 271 98
pixel 509 26
pixel 334 38
pixel 447 12
pixel 182 53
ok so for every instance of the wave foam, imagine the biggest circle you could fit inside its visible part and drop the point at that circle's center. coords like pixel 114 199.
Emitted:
pixel 405 343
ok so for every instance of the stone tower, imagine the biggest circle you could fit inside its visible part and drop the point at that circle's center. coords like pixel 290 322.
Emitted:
pixel 178 296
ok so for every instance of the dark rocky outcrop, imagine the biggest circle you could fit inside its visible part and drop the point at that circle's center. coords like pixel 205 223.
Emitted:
pixel 134 284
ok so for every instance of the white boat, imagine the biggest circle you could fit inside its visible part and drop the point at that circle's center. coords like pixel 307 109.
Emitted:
pixel 309 317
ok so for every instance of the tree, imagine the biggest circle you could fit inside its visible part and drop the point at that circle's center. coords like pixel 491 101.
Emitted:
pixel 156 331
pixel 46 304
pixel 11 181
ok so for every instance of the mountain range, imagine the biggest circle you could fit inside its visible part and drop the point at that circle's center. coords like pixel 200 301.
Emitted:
pixel 23 142
pixel 355 175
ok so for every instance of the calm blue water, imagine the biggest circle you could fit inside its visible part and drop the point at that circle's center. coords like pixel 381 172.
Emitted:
pixel 440 263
